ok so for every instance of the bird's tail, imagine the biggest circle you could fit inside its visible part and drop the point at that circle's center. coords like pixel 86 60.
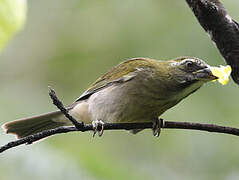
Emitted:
pixel 28 126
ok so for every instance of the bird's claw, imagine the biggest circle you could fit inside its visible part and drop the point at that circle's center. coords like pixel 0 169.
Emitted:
pixel 96 125
pixel 157 125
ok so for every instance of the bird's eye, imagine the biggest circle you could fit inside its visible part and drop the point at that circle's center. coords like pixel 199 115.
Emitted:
pixel 189 64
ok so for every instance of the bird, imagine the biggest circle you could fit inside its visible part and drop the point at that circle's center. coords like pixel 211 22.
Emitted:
pixel 135 91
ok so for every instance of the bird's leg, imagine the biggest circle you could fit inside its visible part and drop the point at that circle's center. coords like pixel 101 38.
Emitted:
pixel 96 125
pixel 157 125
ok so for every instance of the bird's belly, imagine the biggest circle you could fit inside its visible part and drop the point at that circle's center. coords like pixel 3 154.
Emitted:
pixel 81 112
pixel 118 104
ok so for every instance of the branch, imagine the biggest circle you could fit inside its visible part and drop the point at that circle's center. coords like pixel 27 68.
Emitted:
pixel 113 126
pixel 224 31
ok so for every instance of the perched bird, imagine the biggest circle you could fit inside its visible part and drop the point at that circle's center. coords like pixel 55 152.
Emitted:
pixel 136 90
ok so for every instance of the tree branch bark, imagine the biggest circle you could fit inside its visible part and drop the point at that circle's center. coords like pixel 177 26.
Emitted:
pixel 113 126
pixel 223 30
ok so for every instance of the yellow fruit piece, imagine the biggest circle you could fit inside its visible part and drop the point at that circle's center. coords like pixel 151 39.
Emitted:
pixel 222 72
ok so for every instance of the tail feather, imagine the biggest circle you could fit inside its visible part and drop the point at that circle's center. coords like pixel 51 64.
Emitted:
pixel 39 128
pixel 28 126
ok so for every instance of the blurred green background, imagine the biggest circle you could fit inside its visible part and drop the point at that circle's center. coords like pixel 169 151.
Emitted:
pixel 67 44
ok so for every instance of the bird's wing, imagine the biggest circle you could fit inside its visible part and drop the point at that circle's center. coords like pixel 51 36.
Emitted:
pixel 103 83
pixel 121 73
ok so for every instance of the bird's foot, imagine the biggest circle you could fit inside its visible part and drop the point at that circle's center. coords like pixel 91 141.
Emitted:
pixel 98 124
pixel 157 125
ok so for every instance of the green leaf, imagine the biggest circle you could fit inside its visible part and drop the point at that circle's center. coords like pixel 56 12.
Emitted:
pixel 12 18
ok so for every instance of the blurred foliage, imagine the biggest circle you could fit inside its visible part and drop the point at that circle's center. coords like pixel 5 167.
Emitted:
pixel 67 45
pixel 12 18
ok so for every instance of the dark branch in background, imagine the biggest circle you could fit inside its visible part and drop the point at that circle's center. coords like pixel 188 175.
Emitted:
pixel 113 126
pixel 224 31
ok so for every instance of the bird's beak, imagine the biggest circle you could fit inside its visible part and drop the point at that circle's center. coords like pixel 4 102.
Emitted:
pixel 205 74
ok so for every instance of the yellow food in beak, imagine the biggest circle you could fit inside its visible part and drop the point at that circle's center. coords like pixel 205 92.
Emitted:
pixel 222 72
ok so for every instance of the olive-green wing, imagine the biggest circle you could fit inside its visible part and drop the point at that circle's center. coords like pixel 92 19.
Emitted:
pixel 123 72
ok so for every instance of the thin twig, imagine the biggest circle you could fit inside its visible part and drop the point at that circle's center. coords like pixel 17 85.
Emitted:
pixel 60 106
pixel 115 126
pixel 122 126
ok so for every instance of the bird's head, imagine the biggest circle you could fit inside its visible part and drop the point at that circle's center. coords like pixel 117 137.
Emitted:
pixel 188 70
pixel 187 74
